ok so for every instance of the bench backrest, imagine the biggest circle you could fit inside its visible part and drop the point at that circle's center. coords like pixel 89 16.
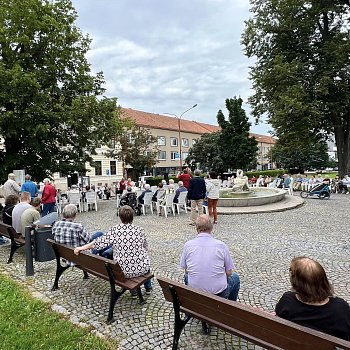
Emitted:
pixel 3 228
pixel 249 323
pixel 94 264
pixel 8 231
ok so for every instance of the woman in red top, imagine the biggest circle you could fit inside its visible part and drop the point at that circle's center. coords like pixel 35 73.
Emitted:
pixel 48 197
pixel 185 177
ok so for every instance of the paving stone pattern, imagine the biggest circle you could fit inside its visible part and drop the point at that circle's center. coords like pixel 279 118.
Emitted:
pixel 262 246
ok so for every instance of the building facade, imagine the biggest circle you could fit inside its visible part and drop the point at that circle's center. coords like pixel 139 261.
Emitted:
pixel 174 139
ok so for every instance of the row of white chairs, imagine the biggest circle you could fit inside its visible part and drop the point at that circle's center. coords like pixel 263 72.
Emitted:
pixel 164 203
pixel 76 198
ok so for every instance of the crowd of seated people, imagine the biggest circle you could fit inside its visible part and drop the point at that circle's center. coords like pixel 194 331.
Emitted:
pixel 310 302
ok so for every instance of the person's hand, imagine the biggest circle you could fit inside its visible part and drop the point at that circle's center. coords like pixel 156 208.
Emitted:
pixel 77 250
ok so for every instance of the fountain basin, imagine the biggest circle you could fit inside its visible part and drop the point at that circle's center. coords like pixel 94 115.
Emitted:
pixel 256 196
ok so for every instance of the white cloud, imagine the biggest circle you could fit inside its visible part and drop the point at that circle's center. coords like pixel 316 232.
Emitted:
pixel 162 56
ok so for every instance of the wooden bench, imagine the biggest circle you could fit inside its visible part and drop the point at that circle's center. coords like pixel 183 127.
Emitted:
pixel 17 240
pixel 256 326
pixel 101 267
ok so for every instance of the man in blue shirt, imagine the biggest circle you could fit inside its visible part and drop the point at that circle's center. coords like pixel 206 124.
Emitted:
pixel 29 186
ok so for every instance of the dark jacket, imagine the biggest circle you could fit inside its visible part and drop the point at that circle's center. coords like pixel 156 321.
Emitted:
pixel 197 189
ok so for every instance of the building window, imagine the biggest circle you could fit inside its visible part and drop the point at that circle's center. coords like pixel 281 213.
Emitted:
pixel 98 167
pixel 174 155
pixel 173 141
pixel 193 142
pixel 113 167
pixel 184 155
pixel 185 143
pixel 161 141
pixel 161 155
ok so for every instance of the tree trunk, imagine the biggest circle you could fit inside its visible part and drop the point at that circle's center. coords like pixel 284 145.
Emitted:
pixel 342 141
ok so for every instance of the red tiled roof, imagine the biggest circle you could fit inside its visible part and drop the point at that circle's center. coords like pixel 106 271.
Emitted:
pixel 158 121
pixel 263 138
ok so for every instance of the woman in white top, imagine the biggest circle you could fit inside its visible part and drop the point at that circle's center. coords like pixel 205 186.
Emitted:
pixel 212 187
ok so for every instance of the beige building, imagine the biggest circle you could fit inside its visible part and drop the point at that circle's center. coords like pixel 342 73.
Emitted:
pixel 175 136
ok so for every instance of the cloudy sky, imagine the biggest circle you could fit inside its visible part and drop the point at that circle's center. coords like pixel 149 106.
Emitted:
pixel 165 56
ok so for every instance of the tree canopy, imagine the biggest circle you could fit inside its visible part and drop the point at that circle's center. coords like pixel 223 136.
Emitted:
pixel 306 156
pixel 52 113
pixel 229 148
pixel 301 75
pixel 206 152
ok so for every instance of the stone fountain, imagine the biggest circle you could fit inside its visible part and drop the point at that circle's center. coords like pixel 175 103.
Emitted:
pixel 240 195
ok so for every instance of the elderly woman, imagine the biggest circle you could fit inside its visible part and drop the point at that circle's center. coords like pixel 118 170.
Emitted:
pixel 130 248
pixel 48 197
pixel 311 302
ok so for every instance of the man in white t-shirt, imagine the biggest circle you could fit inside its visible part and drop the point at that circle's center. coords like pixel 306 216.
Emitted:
pixel 18 211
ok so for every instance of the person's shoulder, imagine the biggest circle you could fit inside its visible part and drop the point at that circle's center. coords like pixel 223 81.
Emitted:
pixel 190 243
pixel 340 302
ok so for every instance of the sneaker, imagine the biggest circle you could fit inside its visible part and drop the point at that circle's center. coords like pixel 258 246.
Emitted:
pixel 148 291
pixel 2 240
pixel 134 294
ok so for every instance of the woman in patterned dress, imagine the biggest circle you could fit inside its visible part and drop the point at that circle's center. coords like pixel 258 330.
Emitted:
pixel 129 244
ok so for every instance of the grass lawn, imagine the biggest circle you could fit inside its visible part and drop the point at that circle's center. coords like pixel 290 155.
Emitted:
pixel 29 324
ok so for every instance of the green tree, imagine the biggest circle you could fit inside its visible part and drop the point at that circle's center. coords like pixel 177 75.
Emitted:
pixel 134 146
pixel 301 75
pixel 206 152
pixel 52 113
pixel 306 155
pixel 237 150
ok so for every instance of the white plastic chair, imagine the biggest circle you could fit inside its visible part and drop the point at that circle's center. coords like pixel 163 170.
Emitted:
pixel 169 203
pixel 91 199
pixel 147 201
pixel 74 198
pixel 181 202
pixel 290 189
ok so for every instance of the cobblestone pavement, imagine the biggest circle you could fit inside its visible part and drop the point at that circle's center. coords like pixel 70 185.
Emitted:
pixel 262 246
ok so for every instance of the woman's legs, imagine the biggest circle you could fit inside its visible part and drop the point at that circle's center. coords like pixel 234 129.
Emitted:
pixel 210 207
pixel 215 211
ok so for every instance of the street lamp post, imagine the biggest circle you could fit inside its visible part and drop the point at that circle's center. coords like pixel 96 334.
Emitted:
pixel 179 130
pixel 261 152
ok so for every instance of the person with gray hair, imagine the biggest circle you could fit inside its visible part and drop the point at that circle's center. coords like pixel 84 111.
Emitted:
pixel 48 197
pixel 142 195
pixel 66 231
pixel 196 194
pixel 11 187
pixel 29 186
pixel 180 189
pixel 214 274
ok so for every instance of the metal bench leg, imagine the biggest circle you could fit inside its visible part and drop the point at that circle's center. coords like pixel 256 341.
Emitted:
pixel 59 270
pixel 114 295
pixel 86 276
pixel 179 323
pixel 206 328
pixel 141 299
pixel 14 247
